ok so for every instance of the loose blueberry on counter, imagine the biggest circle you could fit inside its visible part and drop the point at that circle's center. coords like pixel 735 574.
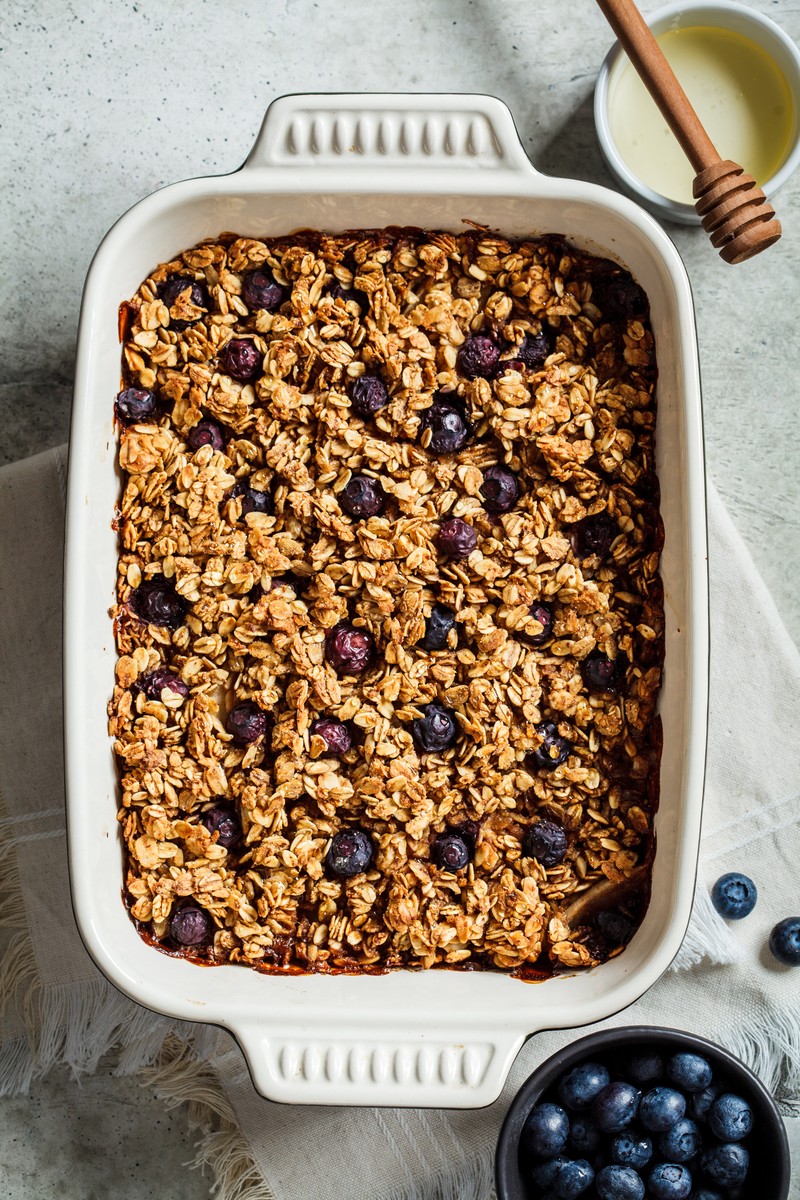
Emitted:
pixel 500 489
pixel 631 1149
pixel 730 1118
pixel 350 852
pixel 600 674
pixel 689 1071
pixel 241 358
pixel 259 290
pixel 584 1136
pixel 669 1181
pixel 581 1085
pixel 594 535
pixel 554 749
pixel 450 429
pixel 205 433
pixel 135 404
pixel 575 1176
pixel 450 851
pixel 681 1143
pixel 784 941
pixel 191 925
pixel 478 357
pixel 546 1130
pixel 174 287
pixel 726 1164
pixel 645 1068
pixel 156 601
pixel 700 1102
pixel 349 651
pixel 457 538
pixel 436 730
pixel 543 613
pixel 616 1106
pixel 437 627
pixel 734 895
pixel 362 497
pixel 154 682
pixel 619 1183
pixel 368 395
pixel 615 927
pixel 547 842
pixel 246 722
pixel 661 1108
pixel 223 821
pixel 335 734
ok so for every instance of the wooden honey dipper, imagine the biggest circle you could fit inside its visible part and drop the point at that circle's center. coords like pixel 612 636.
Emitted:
pixel 734 210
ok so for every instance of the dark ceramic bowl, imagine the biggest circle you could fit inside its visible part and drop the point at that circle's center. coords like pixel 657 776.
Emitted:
pixel 770 1165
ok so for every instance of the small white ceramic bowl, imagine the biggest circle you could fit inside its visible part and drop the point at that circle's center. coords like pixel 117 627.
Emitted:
pixel 724 15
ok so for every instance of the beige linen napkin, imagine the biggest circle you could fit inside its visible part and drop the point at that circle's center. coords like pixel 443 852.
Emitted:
pixel 59 1009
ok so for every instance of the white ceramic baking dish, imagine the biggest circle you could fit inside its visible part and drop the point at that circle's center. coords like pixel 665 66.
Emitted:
pixel 435 1038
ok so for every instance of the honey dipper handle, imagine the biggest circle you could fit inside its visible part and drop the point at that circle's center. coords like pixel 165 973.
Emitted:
pixel 658 77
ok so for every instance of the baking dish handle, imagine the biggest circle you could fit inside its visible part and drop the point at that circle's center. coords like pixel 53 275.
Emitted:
pixel 389 133
pixel 383 1067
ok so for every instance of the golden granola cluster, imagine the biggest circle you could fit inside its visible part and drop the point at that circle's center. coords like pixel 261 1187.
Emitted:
pixel 251 594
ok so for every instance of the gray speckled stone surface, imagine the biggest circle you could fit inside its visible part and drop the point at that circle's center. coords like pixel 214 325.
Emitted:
pixel 110 101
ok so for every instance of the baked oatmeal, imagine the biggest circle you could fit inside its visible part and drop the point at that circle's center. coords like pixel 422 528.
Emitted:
pixel 389 618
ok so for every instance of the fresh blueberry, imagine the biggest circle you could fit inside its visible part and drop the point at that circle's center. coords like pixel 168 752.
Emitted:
pixel 730 1118
pixel 259 290
pixel 595 534
pixel 362 497
pixel 669 1181
pixel 645 1068
pixel 205 433
pixel 478 357
pixel 700 1102
pixel 135 404
pixel 535 348
pixel 584 1136
pixel 153 683
pixel 615 927
pixel 500 490
pixel 546 1130
pixel 241 358
pixel 726 1164
pixel 600 674
pixel 350 651
pixel 191 925
pixel 246 722
pixel 575 1176
pixel 350 852
pixel 368 395
pixel 616 1106
pixel 734 896
pixel 554 749
pixel 335 734
pixel 784 941
pixel 661 1108
pixel 436 730
pixel 437 627
pixel 619 1183
pixel 705 1193
pixel 631 1149
pixel 457 538
pixel 580 1086
pixel 543 1174
pixel 224 822
pixel 547 842
pixel 543 613
pixel 174 287
pixel 688 1071
pixel 450 429
pixel 680 1143
pixel 618 296
pixel 450 851
pixel 156 601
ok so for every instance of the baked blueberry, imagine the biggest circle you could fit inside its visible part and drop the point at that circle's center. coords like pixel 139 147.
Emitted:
pixel 690 1072
pixel 348 295
pixel 661 1108
pixel 349 651
pixel 135 404
pixel 594 535
pixel 254 500
pixel 190 925
pixel 616 1106
pixel 174 287
pixel 335 734
pixel 554 749
pixel 534 349
pixel 681 1143
pixel 618 296
pixel 362 497
pixel 259 290
pixel 457 538
pixel 543 613
pixel 631 1149
pixel 615 927
pixel 368 395
pixel 734 895
pixel 156 601
pixel 436 730
pixel 547 842
pixel 618 1183
pixel 575 1176
pixel 478 357
pixel 500 490
pixel 350 852
pixel 205 433
pixel 584 1136
pixel 730 1118
pixel 437 627
pixel 450 851
pixel 450 430
pixel 545 1131
pixel 224 822
pixel 784 941
pixel 645 1068
pixel 600 674
pixel 583 1083
pixel 246 722
pixel 468 830
pixel 153 683
pixel 241 358
pixel 726 1164
pixel 669 1181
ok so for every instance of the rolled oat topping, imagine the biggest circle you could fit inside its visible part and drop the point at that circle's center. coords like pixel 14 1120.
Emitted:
pixel 400 486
